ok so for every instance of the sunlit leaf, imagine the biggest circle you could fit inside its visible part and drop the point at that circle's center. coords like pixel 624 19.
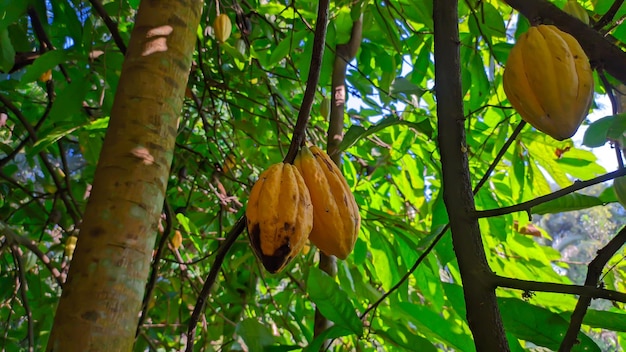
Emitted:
pixel 569 202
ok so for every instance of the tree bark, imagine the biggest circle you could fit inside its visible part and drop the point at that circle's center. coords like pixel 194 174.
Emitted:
pixel 483 314
pixel 100 303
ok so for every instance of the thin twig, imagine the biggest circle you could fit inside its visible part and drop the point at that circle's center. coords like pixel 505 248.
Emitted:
pixel 593 280
pixel 608 16
pixel 17 257
pixel 112 26
pixel 608 87
pixel 501 153
pixel 208 284
pixel 154 273
pixel 526 206
pixel 406 276
pixel 538 286
pixel 319 41
pixel 15 238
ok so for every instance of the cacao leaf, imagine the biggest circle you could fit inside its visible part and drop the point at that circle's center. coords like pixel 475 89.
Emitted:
pixel 333 302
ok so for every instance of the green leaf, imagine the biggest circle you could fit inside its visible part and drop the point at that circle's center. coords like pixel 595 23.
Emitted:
pixel 501 51
pixel 285 47
pixel 401 336
pixel 332 301
pixel 343 25
pixel 254 334
pixel 67 112
pixel 51 136
pixel 184 222
pixel 487 22
pixel 419 11
pixel 539 325
pixel 608 195
pixel 443 329
pixel 569 202
pixel 7 52
pixel 44 63
pixel 597 133
pixel 356 132
pixel 479 89
pixel 383 260
pixel 328 334
pixel 603 320
pixel 12 10
pixel 403 86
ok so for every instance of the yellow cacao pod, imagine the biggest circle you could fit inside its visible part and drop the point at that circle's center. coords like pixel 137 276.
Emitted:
pixel 70 245
pixel 177 239
pixel 574 9
pixel 222 27
pixel 336 219
pixel 549 81
pixel 279 216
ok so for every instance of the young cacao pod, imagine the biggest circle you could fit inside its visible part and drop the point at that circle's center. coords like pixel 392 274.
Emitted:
pixel 279 216
pixel 549 81
pixel 241 46
pixel 336 219
pixel 222 27
pixel 325 108
pixel 574 9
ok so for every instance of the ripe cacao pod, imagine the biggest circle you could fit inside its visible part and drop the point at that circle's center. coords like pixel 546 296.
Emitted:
pixel 336 219
pixel 549 81
pixel 619 186
pixel 574 9
pixel 279 216
pixel 222 27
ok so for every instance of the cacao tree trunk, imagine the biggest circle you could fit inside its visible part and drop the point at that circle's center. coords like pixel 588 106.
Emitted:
pixel 483 314
pixel 99 306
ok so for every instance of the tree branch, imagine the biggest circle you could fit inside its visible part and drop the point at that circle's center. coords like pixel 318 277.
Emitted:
pixel 526 206
pixel 319 41
pixel 527 285
pixel 600 51
pixel 23 284
pixel 592 280
pixel 483 314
